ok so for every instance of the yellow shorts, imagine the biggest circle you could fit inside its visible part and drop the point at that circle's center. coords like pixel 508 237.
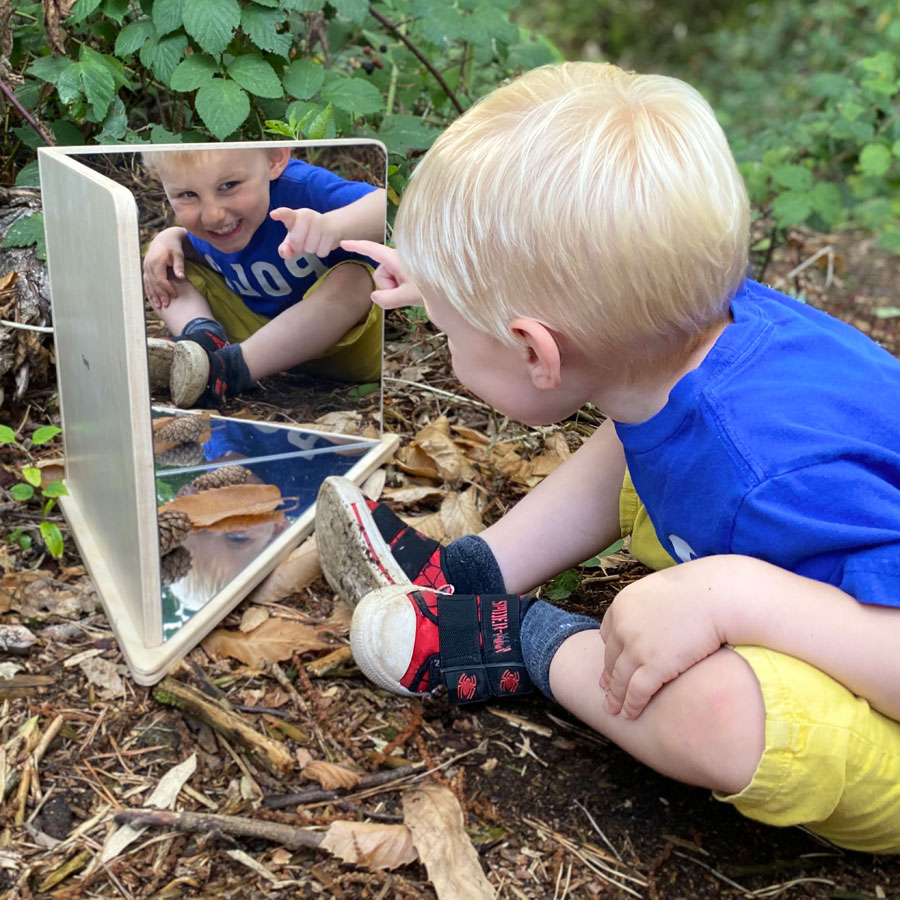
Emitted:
pixel 831 762
pixel 355 357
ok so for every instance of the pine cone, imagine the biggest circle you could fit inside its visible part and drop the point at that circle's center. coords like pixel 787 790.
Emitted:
pixel 223 477
pixel 181 456
pixel 182 428
pixel 174 565
pixel 174 527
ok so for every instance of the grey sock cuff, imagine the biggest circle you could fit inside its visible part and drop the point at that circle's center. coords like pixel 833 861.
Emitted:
pixel 544 629
pixel 202 323
pixel 470 566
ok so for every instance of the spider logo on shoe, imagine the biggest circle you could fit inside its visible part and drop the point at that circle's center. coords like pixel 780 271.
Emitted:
pixel 466 686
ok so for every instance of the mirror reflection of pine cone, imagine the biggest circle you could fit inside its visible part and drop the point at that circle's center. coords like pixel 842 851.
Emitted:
pixel 174 565
pixel 224 477
pixel 174 527
pixel 181 456
pixel 181 428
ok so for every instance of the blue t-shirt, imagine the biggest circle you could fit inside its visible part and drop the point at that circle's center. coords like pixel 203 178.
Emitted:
pixel 784 445
pixel 267 283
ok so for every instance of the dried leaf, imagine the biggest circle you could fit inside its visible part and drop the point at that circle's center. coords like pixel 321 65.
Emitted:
pixel 430 525
pixel 341 614
pixel 245 522
pixel 459 515
pixel 330 775
pixel 291 575
pixel 274 640
pixel 370 844
pixel 55 13
pixel 342 421
pixel 433 815
pixel 414 494
pixel 374 484
pixel 435 441
pixel 252 618
pixel 104 674
pixel 415 461
pixel 8 280
pixel 208 507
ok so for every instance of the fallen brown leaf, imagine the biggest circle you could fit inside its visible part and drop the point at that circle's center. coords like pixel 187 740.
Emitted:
pixel 252 618
pixel 291 575
pixel 370 844
pixel 274 640
pixel 207 507
pixel 330 775
pixel 459 515
pixel 434 817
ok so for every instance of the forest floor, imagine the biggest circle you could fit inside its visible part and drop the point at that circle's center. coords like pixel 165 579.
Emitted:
pixel 553 810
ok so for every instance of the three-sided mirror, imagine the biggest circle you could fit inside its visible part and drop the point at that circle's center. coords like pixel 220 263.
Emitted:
pixel 205 398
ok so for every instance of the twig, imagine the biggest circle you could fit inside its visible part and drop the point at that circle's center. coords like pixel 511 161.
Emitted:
pixel 287 835
pixel 829 251
pixel 45 135
pixel 279 801
pixel 419 56
pixel 441 393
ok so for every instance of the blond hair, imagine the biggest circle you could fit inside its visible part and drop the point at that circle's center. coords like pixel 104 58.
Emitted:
pixel 603 203
pixel 163 162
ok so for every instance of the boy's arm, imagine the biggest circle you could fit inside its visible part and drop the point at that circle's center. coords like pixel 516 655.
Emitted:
pixel 664 623
pixel 309 231
pixel 166 251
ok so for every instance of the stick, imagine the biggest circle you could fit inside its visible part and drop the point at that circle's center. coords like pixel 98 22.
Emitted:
pixel 287 835
pixel 228 723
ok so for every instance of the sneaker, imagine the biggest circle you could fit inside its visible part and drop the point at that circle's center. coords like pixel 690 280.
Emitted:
pixel 409 642
pixel 182 367
pixel 364 546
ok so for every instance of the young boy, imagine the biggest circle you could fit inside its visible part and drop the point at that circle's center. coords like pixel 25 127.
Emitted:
pixel 581 235
pixel 259 232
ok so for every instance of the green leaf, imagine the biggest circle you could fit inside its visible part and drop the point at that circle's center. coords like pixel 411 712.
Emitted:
pixel 828 84
pixel 116 9
pixel 487 23
pixel 55 489
pixel 53 539
pixel 890 241
pixel 255 75
pixel 223 106
pixel 68 84
pixel 261 25
pixel 29 175
pixel 895 148
pixel 887 312
pixel 48 68
pixel 211 23
pixel 791 208
pixel 562 586
pixel 22 492
pixel 32 475
pixel 442 25
pixel 160 135
pixel 795 177
pixel 303 5
pixel 401 133
pixel 303 78
pixel 274 4
pixel 45 433
pixel 132 37
pixel 355 10
pixel 167 15
pixel 882 64
pixel 99 84
pixel 192 72
pixel 594 561
pixel 81 9
pixel 827 202
pixel 7 435
pixel 875 159
pixel 354 96
pixel 164 54
pixel 25 231
pixel 318 127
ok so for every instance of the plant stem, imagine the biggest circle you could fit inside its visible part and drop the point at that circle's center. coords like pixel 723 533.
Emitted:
pixel 394 29
pixel 45 135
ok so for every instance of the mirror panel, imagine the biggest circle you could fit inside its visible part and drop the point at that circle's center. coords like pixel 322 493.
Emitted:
pixel 233 477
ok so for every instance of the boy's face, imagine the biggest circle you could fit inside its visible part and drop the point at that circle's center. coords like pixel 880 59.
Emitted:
pixel 223 197
pixel 502 375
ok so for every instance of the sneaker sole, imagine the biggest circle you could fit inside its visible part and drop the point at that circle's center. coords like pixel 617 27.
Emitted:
pixel 355 557
pixel 182 367
pixel 383 621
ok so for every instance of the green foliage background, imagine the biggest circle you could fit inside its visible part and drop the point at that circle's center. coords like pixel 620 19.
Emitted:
pixel 808 90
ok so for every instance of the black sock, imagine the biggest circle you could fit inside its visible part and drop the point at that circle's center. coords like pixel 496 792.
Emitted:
pixel 208 333
pixel 228 374
pixel 470 566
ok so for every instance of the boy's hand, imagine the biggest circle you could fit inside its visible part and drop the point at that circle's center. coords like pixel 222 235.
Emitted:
pixel 655 629
pixel 308 231
pixel 394 287
pixel 165 253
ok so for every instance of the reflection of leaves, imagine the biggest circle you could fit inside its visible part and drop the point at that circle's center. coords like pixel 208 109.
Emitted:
pixel 208 507
pixel 274 640
pixel 370 844
pixel 293 574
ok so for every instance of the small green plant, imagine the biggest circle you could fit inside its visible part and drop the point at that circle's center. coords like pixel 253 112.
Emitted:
pixel 566 583
pixel 29 489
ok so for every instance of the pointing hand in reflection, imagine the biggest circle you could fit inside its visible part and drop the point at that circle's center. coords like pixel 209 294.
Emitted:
pixel 308 231
pixel 394 287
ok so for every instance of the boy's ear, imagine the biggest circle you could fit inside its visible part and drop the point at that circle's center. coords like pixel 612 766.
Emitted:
pixel 542 354
pixel 278 160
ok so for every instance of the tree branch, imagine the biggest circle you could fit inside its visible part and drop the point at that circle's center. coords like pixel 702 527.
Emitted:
pixel 45 135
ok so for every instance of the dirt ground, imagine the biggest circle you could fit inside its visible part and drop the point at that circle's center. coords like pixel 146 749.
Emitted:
pixel 553 810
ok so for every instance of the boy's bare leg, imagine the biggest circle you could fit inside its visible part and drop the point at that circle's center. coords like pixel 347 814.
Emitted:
pixel 707 727
pixel 309 328
pixel 568 517
pixel 189 304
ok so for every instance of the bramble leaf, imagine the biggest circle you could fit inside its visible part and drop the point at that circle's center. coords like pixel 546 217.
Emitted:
pixel 223 105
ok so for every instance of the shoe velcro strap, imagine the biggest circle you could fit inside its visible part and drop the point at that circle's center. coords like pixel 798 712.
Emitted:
pixel 411 550
pixel 480 659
